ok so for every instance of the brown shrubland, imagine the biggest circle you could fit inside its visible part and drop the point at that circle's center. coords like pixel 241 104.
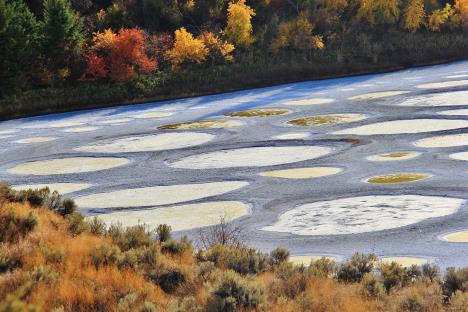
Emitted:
pixel 46 266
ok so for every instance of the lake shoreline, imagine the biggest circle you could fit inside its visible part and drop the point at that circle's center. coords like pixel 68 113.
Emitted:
pixel 21 110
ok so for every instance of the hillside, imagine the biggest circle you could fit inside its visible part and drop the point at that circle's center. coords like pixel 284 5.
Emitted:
pixel 51 259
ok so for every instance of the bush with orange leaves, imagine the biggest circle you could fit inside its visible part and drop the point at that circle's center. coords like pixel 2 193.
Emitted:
pixel 46 265
pixel 119 56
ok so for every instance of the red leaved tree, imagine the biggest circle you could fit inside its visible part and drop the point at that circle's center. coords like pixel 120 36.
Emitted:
pixel 119 57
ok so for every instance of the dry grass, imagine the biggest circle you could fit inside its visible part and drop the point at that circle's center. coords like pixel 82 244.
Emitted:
pixel 49 267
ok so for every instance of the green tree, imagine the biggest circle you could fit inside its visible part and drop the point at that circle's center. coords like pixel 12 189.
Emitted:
pixel 64 37
pixel 19 37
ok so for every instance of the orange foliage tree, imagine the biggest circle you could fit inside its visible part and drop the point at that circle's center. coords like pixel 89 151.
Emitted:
pixel 462 8
pixel 119 56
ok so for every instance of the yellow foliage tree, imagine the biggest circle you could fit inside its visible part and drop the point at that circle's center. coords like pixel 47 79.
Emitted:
pixel 186 49
pixel 380 11
pixel 217 47
pixel 414 15
pixel 239 24
pixel 462 8
pixel 104 40
pixel 440 17
pixel 297 34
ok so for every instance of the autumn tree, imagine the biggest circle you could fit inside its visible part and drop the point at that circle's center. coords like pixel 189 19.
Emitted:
pixel 20 39
pixel 377 12
pixel 414 15
pixel 119 56
pixel 462 8
pixel 63 37
pixel 297 34
pixel 239 24
pixel 219 50
pixel 441 17
pixel 186 49
pixel 116 16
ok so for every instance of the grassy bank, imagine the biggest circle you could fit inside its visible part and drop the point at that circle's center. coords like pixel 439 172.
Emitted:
pixel 184 84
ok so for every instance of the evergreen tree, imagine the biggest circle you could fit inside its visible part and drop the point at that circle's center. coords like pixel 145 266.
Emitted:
pixel 63 37
pixel 19 37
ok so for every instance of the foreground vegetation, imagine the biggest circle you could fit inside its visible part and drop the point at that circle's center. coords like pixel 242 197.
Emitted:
pixel 52 259
pixel 60 55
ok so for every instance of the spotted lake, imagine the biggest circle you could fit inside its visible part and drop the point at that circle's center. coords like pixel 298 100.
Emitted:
pixel 374 163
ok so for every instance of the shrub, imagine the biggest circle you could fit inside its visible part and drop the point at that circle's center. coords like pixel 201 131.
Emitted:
pixel 323 267
pixel 164 232
pixel 129 259
pixel 430 271
pixel 7 264
pixel 393 275
pixel 171 246
pixel 77 223
pixel 97 226
pixel 412 273
pixel 354 269
pixel 130 238
pixel 105 254
pixel 292 280
pixel 149 255
pixel 206 269
pixel 170 280
pixel 148 307
pixel 241 259
pixel 373 286
pixel 13 227
pixel 233 293
pixel 127 303
pixel 279 255
pixel 458 302
pixel 68 206
pixel 455 279
pixel 189 304
pixel 44 274
pixel 43 197
pixel 421 297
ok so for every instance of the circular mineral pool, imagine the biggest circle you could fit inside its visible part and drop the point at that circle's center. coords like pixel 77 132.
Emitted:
pixel 252 157
pixel 68 165
pixel 377 95
pixel 398 178
pixel 302 173
pixel 149 143
pixel 306 102
pixel 259 113
pixel 395 156
pixel 363 214
pixel 203 124
pixel 406 126
pixel 157 195
pixel 456 237
pixel 62 188
pixel 323 120
pixel 183 217
pixel 450 140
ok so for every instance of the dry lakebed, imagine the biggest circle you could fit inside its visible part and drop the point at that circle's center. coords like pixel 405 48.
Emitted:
pixel 374 163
